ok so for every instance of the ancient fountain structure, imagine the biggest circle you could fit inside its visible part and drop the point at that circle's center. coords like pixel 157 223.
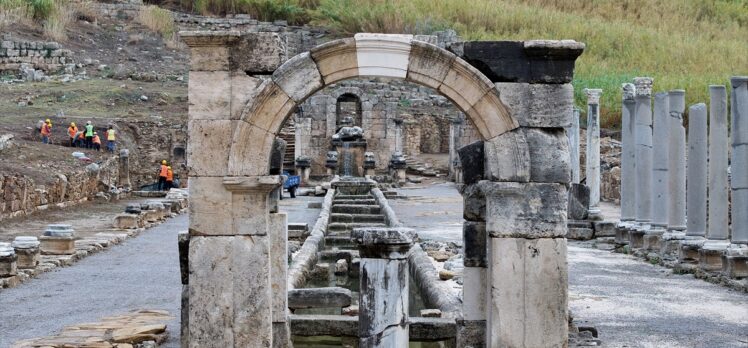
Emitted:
pixel 350 145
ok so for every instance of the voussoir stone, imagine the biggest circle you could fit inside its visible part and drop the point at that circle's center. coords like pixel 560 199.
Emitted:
pixel 298 77
pixel 538 105
pixel 429 64
pixel 525 210
pixel 336 60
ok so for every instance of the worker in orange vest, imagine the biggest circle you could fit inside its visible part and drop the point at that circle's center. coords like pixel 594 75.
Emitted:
pixel 46 131
pixel 72 130
pixel 96 142
pixel 162 173
pixel 169 178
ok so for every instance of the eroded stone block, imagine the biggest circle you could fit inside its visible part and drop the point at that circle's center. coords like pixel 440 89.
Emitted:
pixel 278 232
pixel 549 155
pixel 474 293
pixel 528 293
pixel 298 77
pixel 474 244
pixel 507 157
pixel 206 150
pixel 336 60
pixel 529 210
pixel 472 159
pixel 538 105
pixel 209 95
pixel 127 221
pixel 250 151
pixel 429 64
pixel 258 53
pixel 230 287
pixel 52 245
pixel 384 55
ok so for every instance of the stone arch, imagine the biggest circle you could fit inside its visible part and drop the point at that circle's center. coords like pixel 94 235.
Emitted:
pixel 381 55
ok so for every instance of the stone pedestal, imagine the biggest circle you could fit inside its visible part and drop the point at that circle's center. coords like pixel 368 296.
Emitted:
pixel 127 221
pixel 303 167
pixel 27 250
pixel 710 255
pixel 123 180
pixel 8 261
pixel 636 238
pixel 670 244
pixel 622 233
pixel 58 240
pixel 689 250
pixel 735 262
pixel 384 281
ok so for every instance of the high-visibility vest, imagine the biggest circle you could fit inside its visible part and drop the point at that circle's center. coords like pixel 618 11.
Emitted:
pixel 110 135
pixel 81 136
pixel 72 131
pixel 163 171
pixel 89 130
pixel 46 129
pixel 97 140
pixel 169 175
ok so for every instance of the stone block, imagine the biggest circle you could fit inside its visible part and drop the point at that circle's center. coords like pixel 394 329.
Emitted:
pixel 244 89
pixel 330 297
pixel 471 157
pixel 428 64
pixel 209 58
pixel 579 202
pixel 28 258
pixel 652 241
pixel 474 293
pixel 474 203
pixel 537 61
pixel 580 233
pixel 278 232
pixel 474 244
pixel 229 288
pixel 525 210
pixel 207 153
pixel 249 154
pixel 258 53
pixel 209 95
pixel 298 77
pixel 8 265
pixel 549 155
pixel 710 259
pixel 507 157
pixel 490 116
pixel 183 245
pixel 127 221
pixel 336 60
pixel 383 55
pixel 528 293
pixel 471 333
pixel 735 266
pixel 689 251
pixel 51 245
pixel 604 228
pixel 210 207
pixel 636 238
pixel 538 105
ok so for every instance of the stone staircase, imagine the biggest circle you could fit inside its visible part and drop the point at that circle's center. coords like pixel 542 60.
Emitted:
pixel 288 133
pixel 349 212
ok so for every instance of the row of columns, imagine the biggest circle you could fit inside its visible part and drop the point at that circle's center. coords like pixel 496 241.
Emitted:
pixel 675 194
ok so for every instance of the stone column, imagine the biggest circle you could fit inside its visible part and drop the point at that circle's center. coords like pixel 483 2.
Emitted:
pixel 398 135
pixel 676 226
pixel 717 232
pixel 574 146
pixel 124 170
pixel 384 282
pixel 628 164
pixel 739 163
pixel 593 151
pixel 643 134
pixel 455 128
pixel 660 180
pixel 696 184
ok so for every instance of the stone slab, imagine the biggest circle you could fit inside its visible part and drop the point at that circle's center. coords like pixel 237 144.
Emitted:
pixel 330 297
pixel 527 210
pixel 549 155
pixel 507 157
pixel 474 293
pixel 383 55
pixel 538 105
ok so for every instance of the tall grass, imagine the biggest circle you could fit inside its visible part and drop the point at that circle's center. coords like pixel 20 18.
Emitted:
pixel 161 21
pixel 682 44
pixel 53 15
pixel 293 11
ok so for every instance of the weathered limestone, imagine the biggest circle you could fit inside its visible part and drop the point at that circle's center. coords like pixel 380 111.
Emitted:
pixel 573 133
pixel 538 105
pixel 511 146
pixel 549 155
pixel 278 233
pixel 528 280
pixel 696 194
pixel 8 261
pixel 475 290
pixel 677 162
pixel 383 294
pixel 298 77
pixel 123 179
pixel 628 164
pixel 27 250
pixel 593 151
pixel 383 55
pixel 643 133
pixel 660 183
pixel 127 221
pixel 717 228
pixel 739 163
pixel 525 210
pixel 58 240
pixel 335 297
pixel 336 60
pixel 230 283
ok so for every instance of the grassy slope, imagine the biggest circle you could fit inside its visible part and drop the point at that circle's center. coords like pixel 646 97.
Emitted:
pixel 686 44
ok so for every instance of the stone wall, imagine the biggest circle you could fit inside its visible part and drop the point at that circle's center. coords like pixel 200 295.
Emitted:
pixel 425 115
pixel 20 195
pixel 41 55
pixel 151 142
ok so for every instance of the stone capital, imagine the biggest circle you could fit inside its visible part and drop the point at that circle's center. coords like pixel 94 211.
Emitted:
pixel 643 86
pixel 738 81
pixel 383 242
pixel 629 90
pixel 593 95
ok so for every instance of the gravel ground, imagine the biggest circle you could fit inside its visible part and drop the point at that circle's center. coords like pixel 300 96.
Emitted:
pixel 631 303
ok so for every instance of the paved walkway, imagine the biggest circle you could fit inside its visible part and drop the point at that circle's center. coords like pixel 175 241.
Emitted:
pixel 632 303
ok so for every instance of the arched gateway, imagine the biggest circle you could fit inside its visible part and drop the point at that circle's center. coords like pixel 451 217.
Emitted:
pixel 241 92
